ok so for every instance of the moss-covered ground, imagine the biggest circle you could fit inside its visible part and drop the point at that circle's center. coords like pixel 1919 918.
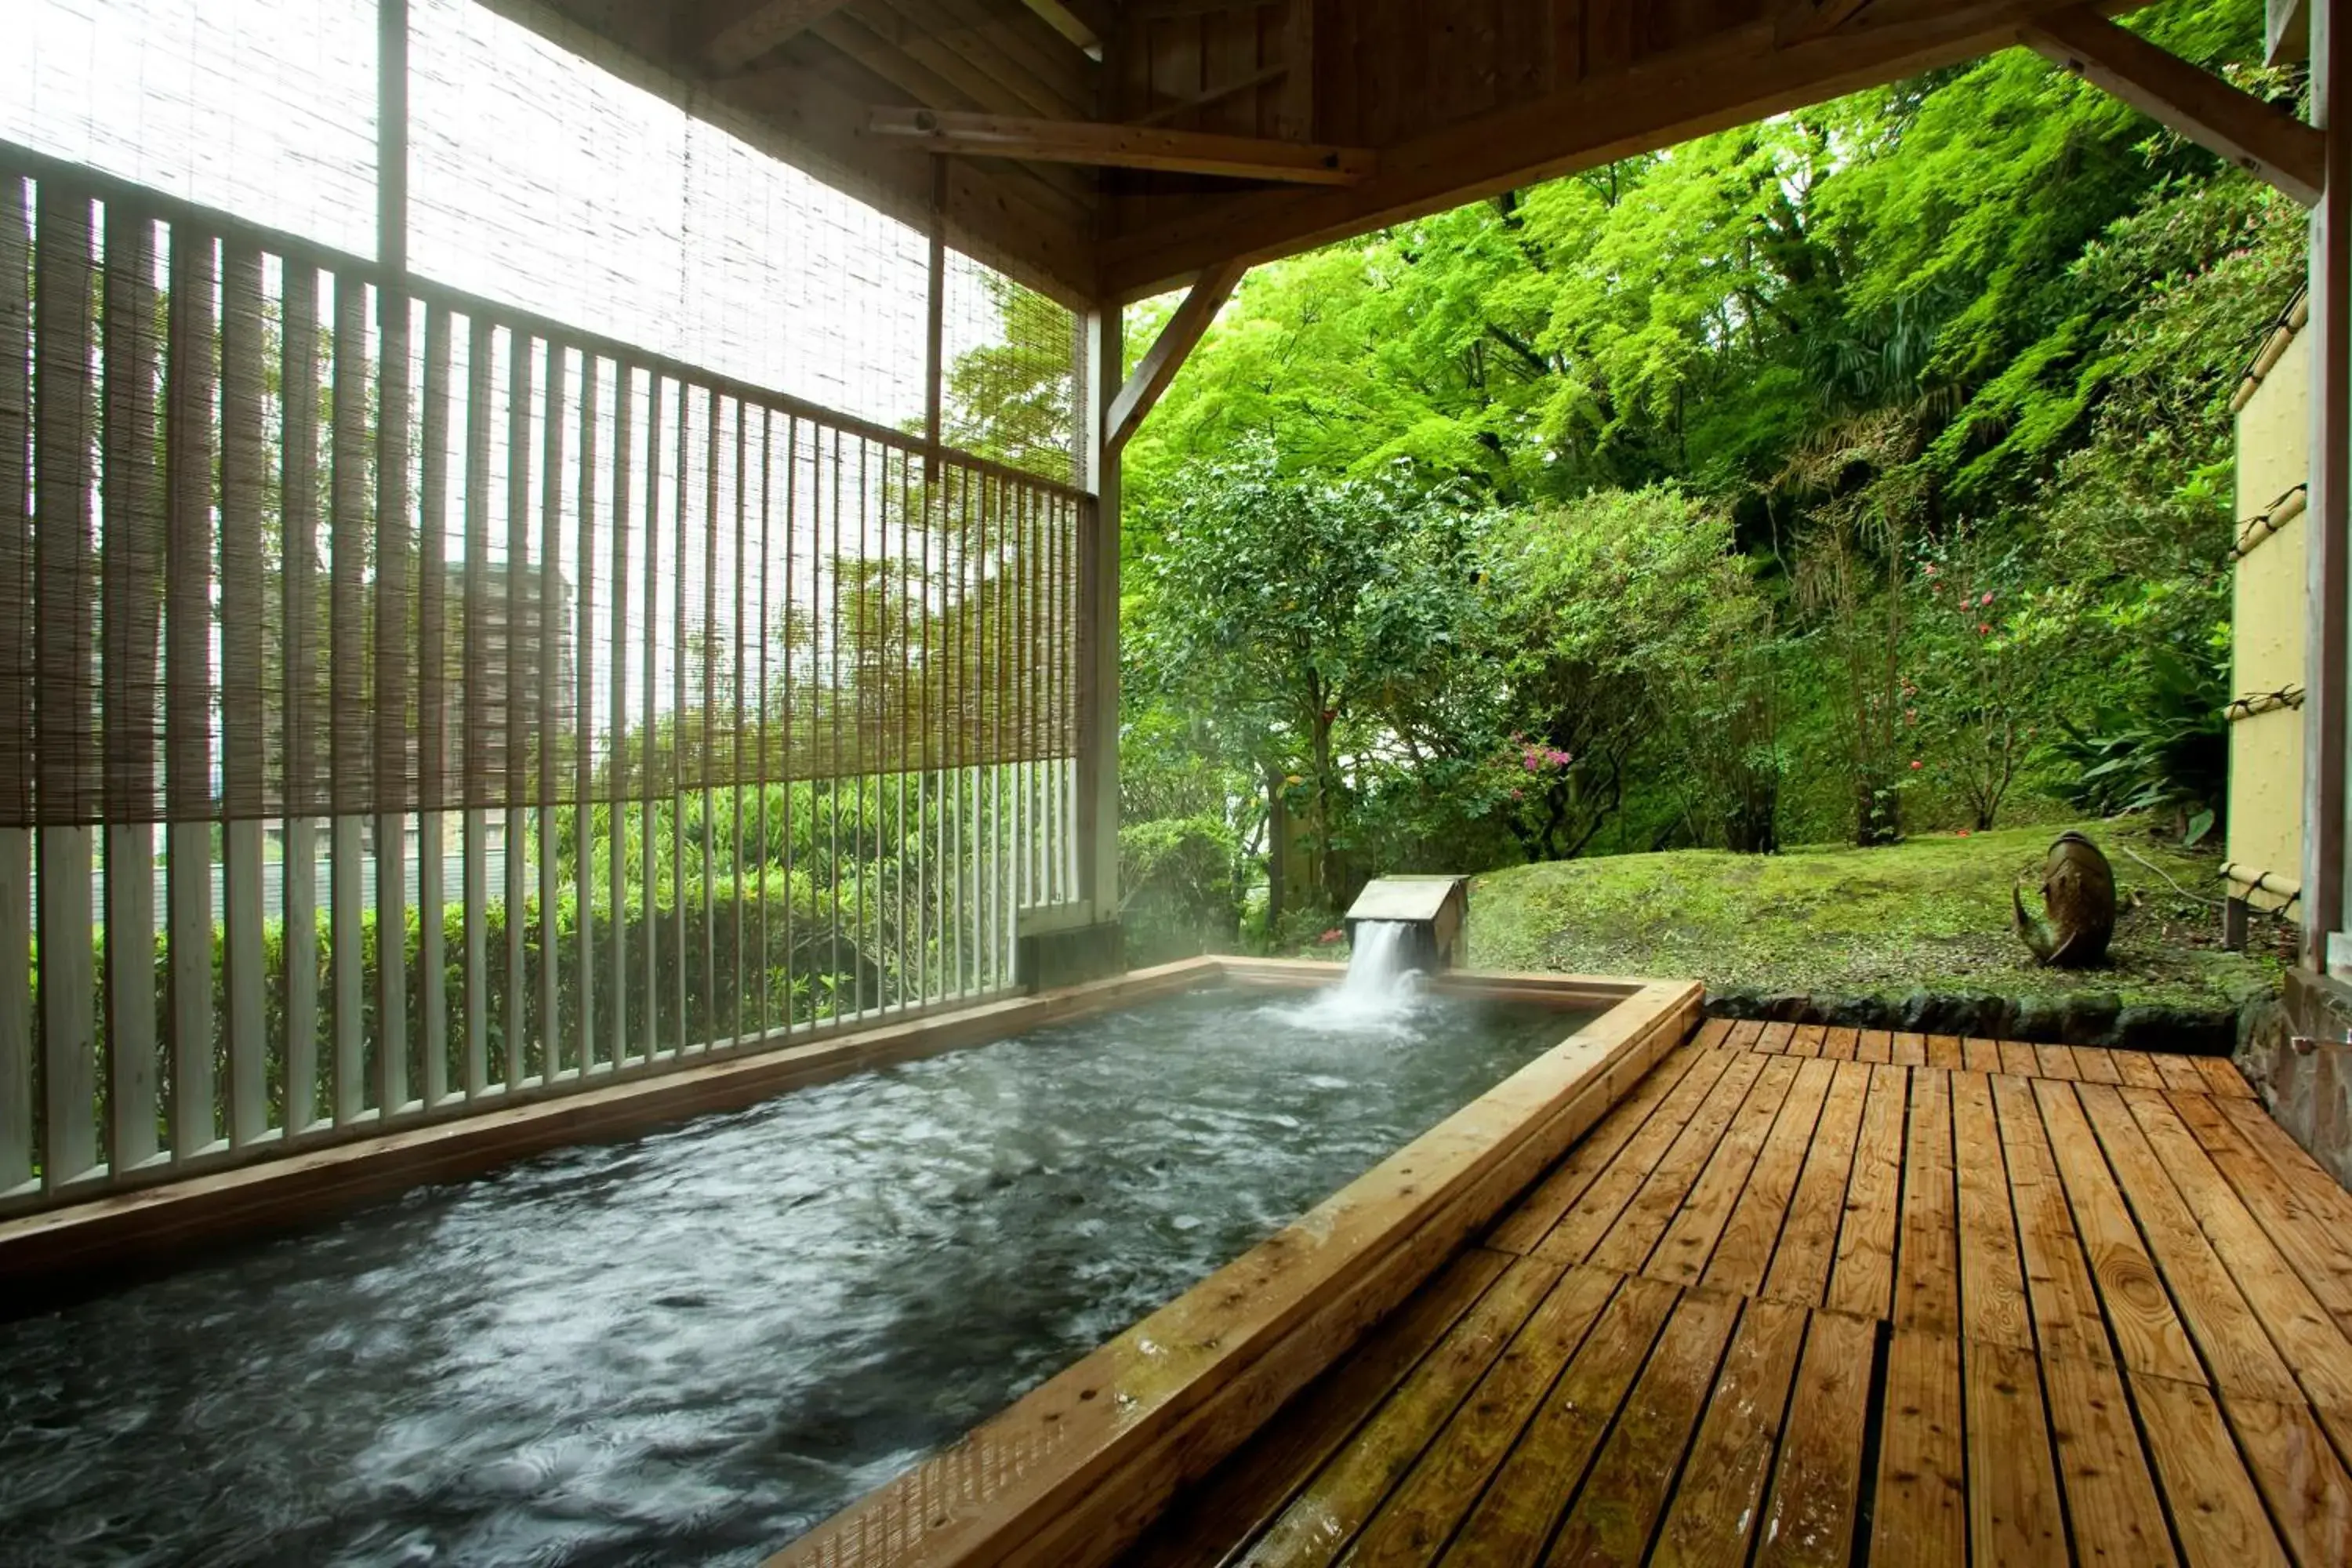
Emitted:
pixel 1928 914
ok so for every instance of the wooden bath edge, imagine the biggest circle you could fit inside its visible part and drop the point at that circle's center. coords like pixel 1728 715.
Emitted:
pixel 1069 1474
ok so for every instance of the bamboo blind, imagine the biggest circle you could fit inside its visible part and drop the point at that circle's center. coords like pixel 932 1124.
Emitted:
pixel 360 606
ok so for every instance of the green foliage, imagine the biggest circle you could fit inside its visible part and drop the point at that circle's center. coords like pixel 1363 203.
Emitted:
pixel 1646 470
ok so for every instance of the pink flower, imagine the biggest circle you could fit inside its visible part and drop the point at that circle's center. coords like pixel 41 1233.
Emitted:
pixel 1984 629
pixel 1964 832
pixel 1931 569
pixel 1560 759
pixel 1988 597
pixel 1329 937
pixel 1534 760
pixel 1515 794
pixel 1915 764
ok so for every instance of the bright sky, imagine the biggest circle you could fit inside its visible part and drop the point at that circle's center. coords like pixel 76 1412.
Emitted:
pixel 535 178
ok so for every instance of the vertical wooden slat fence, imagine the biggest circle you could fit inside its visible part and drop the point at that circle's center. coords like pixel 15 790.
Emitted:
pixel 415 703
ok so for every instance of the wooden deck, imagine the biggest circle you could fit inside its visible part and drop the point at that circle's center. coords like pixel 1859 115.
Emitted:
pixel 1820 1296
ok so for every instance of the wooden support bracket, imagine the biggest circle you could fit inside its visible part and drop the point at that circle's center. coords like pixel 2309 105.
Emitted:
pixel 2261 137
pixel 737 34
pixel 1121 146
pixel 1168 352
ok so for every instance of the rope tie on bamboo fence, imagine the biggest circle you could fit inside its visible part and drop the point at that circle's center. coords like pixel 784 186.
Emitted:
pixel 2274 345
pixel 2264 702
pixel 2269 521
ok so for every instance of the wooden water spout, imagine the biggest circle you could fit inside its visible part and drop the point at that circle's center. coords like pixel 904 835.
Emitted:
pixel 1436 907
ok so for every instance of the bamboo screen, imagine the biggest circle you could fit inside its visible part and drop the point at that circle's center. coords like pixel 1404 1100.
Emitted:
pixel 657 714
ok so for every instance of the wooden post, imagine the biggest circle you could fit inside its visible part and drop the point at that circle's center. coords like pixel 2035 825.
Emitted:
pixel 2331 487
pixel 1105 371
pixel 392 137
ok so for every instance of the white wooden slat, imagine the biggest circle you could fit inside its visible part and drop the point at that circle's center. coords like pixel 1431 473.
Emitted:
pixel 16 1118
pixel 346 850
pixel 583 707
pixel 347 641
pixel 550 950
pixel 651 832
pixel 187 718
pixel 396 564
pixel 17 1158
pixel 242 488
pixel 299 504
pixel 475 725
pixel 616 858
pixel 432 644
pixel 510 783
pixel 68 1022
pixel 132 614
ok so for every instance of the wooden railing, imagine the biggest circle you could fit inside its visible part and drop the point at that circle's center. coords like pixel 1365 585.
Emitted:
pixel 658 714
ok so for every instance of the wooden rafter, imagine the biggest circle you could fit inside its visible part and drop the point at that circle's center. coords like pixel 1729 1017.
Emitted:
pixel 2259 137
pixel 742 33
pixel 1070 24
pixel 1122 146
pixel 1739 74
pixel 1811 18
pixel 1234 88
pixel 1168 352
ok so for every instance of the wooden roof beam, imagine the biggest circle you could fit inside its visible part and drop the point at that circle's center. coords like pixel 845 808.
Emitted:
pixel 1121 146
pixel 1070 25
pixel 2259 137
pixel 737 32
pixel 1168 352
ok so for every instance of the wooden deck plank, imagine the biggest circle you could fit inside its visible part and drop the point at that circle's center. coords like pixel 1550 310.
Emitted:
pixel 2014 1514
pixel 1659 1144
pixel 2056 1061
pixel 1682 1255
pixel 2180 1073
pixel 2148 1333
pixel 1874 1045
pixel 2313 1185
pixel 1926 1266
pixel 1992 1282
pixel 1626 1243
pixel 1253 1485
pixel 2137 1068
pixel 1801 1264
pixel 2315 1349
pixel 1743 1256
pixel 1713 1516
pixel 1920 1514
pixel 1322 1518
pixel 1910 1049
pixel 2241 1357
pixel 1811 1517
pixel 2301 1477
pixel 2221 1077
pixel 1422 1512
pixel 2017 1056
pixel 1807 1040
pixel 1743 1035
pixel 2321 1255
pixel 1616 1512
pixel 2066 1303
pixel 1981 1055
pixel 1944 1051
pixel 1774 1039
pixel 1713 1034
pixel 2112 1506
pixel 2216 1506
pixel 1840 1045
pixel 2093 1065
pixel 1515 1516
pixel 1676 1081
pixel 1861 1281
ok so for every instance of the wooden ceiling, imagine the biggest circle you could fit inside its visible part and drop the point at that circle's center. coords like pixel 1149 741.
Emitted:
pixel 1112 148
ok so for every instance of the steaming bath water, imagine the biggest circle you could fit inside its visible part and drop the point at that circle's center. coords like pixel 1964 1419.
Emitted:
pixel 692 1346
